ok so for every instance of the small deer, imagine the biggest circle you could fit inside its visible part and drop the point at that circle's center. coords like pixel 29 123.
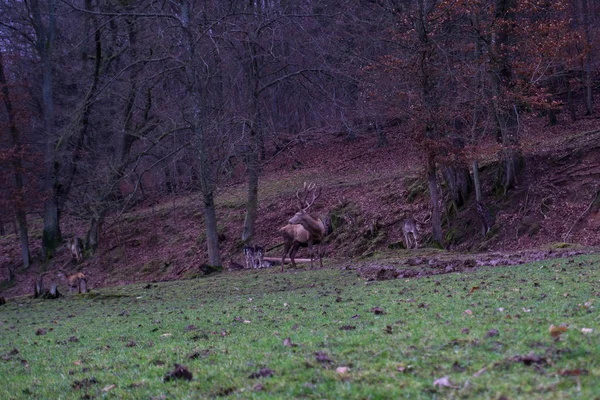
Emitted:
pixel 254 256
pixel 314 227
pixel 409 226
pixel 76 247
pixel 259 254
pixel 76 281
pixel 249 256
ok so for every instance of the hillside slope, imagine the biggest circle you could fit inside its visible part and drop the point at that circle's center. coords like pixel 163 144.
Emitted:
pixel 365 188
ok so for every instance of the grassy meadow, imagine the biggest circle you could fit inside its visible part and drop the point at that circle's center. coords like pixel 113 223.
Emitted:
pixel 318 334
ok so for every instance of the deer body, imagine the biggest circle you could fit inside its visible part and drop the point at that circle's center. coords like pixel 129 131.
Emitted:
pixel 294 236
pixel 259 254
pixel 76 247
pixel 303 228
pixel 315 231
pixel 409 227
pixel 76 281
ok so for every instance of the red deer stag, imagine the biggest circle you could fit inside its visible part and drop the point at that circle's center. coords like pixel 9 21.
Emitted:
pixel 304 229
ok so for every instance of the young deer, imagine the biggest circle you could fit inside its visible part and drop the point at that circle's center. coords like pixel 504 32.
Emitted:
pixel 409 226
pixel 76 247
pixel 314 227
pixel 254 256
pixel 249 256
pixel 76 281
pixel 259 254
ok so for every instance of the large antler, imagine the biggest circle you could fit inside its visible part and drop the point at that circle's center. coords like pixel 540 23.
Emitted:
pixel 316 193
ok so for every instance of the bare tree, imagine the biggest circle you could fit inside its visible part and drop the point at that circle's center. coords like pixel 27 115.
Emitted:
pixel 44 25
pixel 19 197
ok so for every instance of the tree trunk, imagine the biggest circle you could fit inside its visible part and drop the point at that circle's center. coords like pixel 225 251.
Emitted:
pixel 477 181
pixel 51 236
pixel 458 180
pixel 93 234
pixel 254 146
pixel 11 272
pixel 436 218
pixel 207 186
pixel 570 102
pixel 24 237
pixel 20 203
pixel 252 202
pixel 506 109
pixel 212 237
pixel 589 95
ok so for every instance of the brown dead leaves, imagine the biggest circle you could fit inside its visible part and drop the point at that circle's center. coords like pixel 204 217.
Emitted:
pixel 322 357
pixel 556 331
pixel 262 373
pixel 474 288
pixel 180 372
pixel 529 359
pixel 377 310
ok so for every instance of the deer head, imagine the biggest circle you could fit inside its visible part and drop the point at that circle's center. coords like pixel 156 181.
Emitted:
pixel 302 216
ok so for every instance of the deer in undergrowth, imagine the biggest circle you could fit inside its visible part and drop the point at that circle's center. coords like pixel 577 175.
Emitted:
pixel 249 256
pixel 76 247
pixel 304 229
pixel 76 281
pixel 254 256
pixel 409 227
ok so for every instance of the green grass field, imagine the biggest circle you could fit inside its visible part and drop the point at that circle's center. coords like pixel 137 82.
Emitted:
pixel 487 331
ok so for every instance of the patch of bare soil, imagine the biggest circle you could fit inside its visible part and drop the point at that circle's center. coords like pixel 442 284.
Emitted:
pixel 418 267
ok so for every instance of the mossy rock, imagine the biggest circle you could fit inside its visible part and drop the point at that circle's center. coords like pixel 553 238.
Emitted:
pixel 210 269
pixel 399 245
pixel 561 245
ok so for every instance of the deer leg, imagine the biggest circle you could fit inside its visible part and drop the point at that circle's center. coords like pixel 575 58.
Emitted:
pixel 320 253
pixel 286 248
pixel 416 243
pixel 295 248
pixel 311 245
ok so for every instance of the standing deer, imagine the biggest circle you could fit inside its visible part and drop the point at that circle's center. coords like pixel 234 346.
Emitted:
pixel 409 226
pixel 76 247
pixel 254 256
pixel 76 281
pixel 249 256
pixel 259 254
pixel 313 229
